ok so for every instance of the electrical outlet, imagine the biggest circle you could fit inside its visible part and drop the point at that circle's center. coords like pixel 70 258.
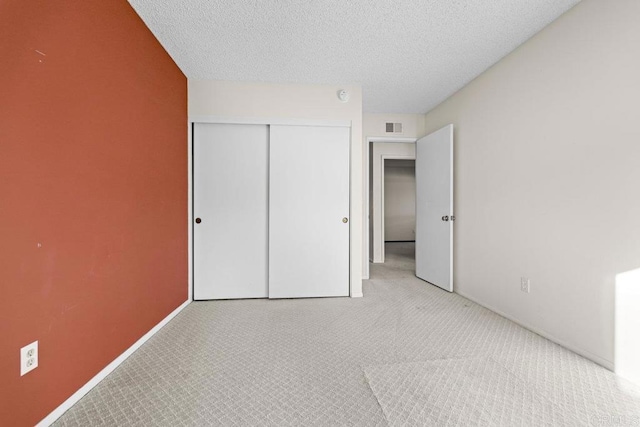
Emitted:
pixel 525 284
pixel 28 358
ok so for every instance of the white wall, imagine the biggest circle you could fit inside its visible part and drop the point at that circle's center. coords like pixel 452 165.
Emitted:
pixel 399 200
pixel 547 158
pixel 627 351
pixel 289 101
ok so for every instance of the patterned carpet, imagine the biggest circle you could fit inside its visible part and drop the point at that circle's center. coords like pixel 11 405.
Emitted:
pixel 407 353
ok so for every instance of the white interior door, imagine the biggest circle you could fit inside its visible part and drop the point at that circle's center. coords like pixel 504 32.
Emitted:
pixel 230 198
pixel 434 208
pixel 309 211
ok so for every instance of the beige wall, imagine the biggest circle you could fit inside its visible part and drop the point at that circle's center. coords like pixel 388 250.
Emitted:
pixel 547 156
pixel 289 101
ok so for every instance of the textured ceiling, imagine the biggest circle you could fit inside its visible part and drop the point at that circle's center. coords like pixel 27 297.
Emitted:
pixel 408 55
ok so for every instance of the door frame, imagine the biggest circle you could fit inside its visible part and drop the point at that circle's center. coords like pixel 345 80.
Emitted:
pixel 249 121
pixel 366 259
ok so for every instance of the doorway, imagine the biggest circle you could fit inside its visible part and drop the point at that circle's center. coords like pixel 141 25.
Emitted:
pixel 380 153
pixel 433 156
pixel 399 215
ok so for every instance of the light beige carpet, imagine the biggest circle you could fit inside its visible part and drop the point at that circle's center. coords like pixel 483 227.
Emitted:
pixel 303 363
pixel 488 392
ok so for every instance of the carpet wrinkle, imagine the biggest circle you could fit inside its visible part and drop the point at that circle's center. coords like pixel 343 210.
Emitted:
pixel 368 382
pixel 461 391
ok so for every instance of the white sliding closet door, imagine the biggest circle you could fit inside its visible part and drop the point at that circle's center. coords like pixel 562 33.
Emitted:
pixel 309 211
pixel 230 197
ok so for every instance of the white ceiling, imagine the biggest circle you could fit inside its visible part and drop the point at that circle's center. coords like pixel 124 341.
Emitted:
pixel 408 55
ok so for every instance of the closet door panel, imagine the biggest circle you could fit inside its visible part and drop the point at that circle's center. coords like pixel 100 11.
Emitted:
pixel 230 195
pixel 309 211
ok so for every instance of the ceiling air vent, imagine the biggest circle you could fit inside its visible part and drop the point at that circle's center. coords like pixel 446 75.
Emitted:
pixel 393 127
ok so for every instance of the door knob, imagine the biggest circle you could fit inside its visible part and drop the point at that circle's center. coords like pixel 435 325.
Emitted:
pixel 198 220
pixel 445 218
pixel 345 220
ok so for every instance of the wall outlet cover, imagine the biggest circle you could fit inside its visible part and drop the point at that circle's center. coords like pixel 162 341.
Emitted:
pixel 28 358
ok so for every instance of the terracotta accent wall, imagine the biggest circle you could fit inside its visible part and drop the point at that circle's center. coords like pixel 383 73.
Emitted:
pixel 93 193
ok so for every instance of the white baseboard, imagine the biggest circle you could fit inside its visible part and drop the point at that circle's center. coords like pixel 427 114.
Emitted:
pixel 358 295
pixel 75 397
pixel 586 354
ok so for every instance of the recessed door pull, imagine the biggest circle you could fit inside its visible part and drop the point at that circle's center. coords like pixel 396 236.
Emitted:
pixel 345 220
pixel 445 218
pixel 198 220
pixel 453 218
